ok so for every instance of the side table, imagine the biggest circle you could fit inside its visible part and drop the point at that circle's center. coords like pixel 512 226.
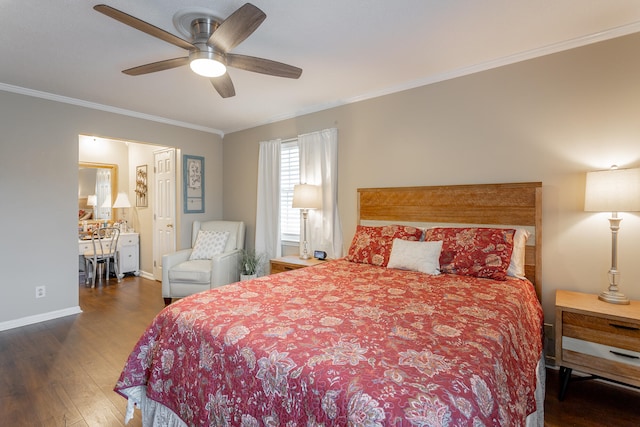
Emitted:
pixel 597 338
pixel 291 262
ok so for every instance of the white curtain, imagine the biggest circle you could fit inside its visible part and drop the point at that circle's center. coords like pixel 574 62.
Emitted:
pixel 319 166
pixel 103 193
pixel 268 203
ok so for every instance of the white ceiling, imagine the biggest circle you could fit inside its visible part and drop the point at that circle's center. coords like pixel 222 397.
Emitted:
pixel 348 49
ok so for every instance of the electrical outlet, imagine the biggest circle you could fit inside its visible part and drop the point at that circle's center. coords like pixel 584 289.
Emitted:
pixel 41 291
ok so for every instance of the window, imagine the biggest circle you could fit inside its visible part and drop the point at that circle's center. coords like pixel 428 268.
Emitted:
pixel 289 177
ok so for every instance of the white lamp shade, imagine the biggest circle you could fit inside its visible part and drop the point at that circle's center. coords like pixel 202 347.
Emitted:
pixel 92 200
pixel 122 201
pixel 615 190
pixel 306 196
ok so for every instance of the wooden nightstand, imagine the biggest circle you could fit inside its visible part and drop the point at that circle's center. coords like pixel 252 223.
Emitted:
pixel 598 338
pixel 292 262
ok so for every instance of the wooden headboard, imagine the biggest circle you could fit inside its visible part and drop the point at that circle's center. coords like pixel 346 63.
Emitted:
pixel 501 205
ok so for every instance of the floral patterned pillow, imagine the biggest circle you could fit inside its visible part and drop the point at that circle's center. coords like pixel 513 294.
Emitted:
pixel 478 252
pixel 208 244
pixel 372 245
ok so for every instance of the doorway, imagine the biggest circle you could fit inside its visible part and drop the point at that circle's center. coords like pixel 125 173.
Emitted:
pixel 130 157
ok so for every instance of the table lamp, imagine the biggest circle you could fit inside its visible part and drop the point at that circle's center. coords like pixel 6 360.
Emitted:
pixel 615 190
pixel 92 200
pixel 305 197
pixel 122 201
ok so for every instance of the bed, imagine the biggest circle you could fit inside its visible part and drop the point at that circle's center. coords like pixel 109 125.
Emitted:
pixel 372 339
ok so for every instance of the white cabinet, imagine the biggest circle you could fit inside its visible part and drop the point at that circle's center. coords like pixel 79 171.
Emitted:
pixel 128 252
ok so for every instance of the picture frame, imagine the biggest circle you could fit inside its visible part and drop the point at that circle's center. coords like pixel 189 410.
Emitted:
pixel 193 183
pixel 141 187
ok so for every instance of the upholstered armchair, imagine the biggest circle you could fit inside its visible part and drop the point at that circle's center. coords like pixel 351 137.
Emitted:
pixel 212 261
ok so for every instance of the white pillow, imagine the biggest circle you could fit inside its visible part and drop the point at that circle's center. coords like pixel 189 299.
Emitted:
pixel 208 244
pixel 516 265
pixel 416 256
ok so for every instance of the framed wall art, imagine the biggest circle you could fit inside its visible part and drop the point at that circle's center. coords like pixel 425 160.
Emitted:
pixel 193 181
pixel 141 186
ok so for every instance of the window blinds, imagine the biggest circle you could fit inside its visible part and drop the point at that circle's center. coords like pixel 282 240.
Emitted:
pixel 289 176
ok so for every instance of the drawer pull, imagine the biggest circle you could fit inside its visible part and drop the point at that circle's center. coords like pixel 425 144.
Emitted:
pixel 630 356
pixel 628 328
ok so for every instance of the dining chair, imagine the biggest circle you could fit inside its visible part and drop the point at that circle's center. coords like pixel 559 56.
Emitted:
pixel 104 250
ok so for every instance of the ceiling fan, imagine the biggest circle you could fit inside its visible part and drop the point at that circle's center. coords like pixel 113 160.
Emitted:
pixel 209 48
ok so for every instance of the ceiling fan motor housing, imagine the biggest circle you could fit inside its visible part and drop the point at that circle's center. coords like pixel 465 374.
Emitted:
pixel 201 29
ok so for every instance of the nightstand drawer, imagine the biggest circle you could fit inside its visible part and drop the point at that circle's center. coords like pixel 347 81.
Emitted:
pixel 608 332
pixel 603 368
pixel 281 268
pixel 604 352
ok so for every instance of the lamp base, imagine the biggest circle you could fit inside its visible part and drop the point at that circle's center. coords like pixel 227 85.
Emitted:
pixel 613 297
pixel 305 256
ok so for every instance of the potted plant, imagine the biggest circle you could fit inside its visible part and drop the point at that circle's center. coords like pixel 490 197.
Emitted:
pixel 250 263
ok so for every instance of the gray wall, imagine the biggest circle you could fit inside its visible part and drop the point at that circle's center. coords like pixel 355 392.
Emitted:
pixel 39 191
pixel 550 119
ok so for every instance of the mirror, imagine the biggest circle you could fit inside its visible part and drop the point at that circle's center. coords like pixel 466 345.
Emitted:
pixel 97 187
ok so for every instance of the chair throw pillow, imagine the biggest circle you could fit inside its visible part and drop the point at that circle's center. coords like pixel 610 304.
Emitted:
pixel 208 244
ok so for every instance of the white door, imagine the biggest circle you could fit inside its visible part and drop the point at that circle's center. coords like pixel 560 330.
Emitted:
pixel 164 208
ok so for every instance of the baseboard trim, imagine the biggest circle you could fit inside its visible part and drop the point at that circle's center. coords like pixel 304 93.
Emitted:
pixel 147 275
pixel 30 320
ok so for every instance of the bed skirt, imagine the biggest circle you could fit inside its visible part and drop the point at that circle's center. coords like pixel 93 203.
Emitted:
pixel 537 418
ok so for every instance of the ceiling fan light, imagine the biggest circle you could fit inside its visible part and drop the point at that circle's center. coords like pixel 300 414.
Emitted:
pixel 208 67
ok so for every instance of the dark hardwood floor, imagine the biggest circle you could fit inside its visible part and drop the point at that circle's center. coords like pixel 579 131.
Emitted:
pixel 62 372
pixel 590 403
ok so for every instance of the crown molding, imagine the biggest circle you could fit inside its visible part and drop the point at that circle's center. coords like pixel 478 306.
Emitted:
pixel 95 106
pixel 436 78
pixel 465 71
pixel 508 60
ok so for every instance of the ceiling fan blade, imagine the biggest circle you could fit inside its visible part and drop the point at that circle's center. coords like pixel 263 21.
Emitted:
pixel 145 27
pixel 167 64
pixel 264 66
pixel 237 27
pixel 223 85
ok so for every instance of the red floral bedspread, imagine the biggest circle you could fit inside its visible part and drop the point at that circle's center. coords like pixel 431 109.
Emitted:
pixel 345 344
